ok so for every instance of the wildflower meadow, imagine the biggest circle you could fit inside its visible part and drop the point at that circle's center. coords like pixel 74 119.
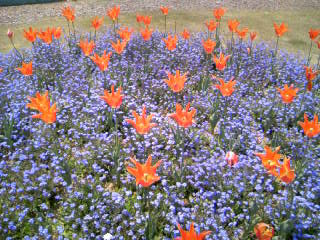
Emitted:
pixel 158 134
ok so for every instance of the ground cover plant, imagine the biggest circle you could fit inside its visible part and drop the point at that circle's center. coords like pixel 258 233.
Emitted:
pixel 158 135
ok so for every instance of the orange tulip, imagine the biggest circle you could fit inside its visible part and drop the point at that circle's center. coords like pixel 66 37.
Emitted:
pixel 56 32
pixel 185 34
pixel 102 61
pixel 119 46
pixel 221 62
pixel 139 18
pixel 87 47
pixel 280 30
pixel 270 159
pixel 42 104
pixel 310 75
pixel 312 128
pixel 191 234
pixel 146 33
pixel 68 13
pixel 96 23
pixel 208 45
pixel 176 82
pixel 263 231
pixel 226 88
pixel 242 33
pixel 113 13
pixel 114 100
pixel 288 93
pixel 164 10
pixel 146 20
pixel 231 158
pixel 142 123
pixel 318 43
pixel 212 25
pixel 26 69
pixel 125 34
pixel 145 174
pixel 253 36
pixel 313 33
pixel 30 35
pixel 233 25
pixel 286 174
pixel 218 13
pixel 46 36
pixel 171 42
pixel 183 118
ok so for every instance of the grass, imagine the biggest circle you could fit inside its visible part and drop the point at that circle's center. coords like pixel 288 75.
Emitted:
pixel 295 40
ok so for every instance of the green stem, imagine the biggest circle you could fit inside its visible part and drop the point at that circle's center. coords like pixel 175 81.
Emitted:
pixel 165 23
pixel 309 55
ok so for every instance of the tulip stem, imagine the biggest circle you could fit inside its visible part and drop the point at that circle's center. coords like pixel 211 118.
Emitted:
pixel 165 24
pixel 182 155
pixel 309 55
pixel 318 61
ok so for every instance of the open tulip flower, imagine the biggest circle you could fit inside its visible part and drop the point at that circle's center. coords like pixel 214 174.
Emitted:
pixel 313 33
pixel 113 99
pixel 221 62
pixel 286 174
pixel 118 47
pixel 97 22
pixel 146 34
pixel 253 36
pixel 176 82
pixel 145 174
pixel 30 35
pixel 68 13
pixel 184 118
pixel 125 34
pixel 233 25
pixel 264 231
pixel 191 234
pixel 113 13
pixel 231 158
pixel 242 33
pixel 185 34
pixel 143 123
pixel 103 61
pixel 208 45
pixel 310 128
pixel 270 159
pixel 219 13
pixel 86 47
pixel 146 20
pixel 310 75
pixel 42 104
pixel 171 42
pixel 280 30
pixel 26 69
pixel 164 10
pixel 288 93
pixel 226 88
pixel 212 25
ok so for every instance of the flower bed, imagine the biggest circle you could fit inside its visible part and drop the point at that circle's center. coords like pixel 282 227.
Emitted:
pixel 228 151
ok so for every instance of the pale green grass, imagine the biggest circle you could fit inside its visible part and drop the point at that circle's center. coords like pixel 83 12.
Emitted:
pixel 295 40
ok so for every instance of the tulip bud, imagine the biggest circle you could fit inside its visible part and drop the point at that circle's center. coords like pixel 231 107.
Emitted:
pixel 10 34
pixel 231 158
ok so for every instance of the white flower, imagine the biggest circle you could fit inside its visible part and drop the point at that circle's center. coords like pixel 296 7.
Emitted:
pixel 107 236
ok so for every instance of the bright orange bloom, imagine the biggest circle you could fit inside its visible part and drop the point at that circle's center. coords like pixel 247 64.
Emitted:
pixel 233 25
pixel 113 13
pixel 226 88
pixel 286 174
pixel 221 62
pixel 212 25
pixel 102 61
pixel 142 123
pixel 310 75
pixel 270 159
pixel 1 70
pixel 119 46
pixel 263 231
pixel 46 36
pixel 176 82
pixel 208 45
pixel 96 23
pixel 87 47
pixel 191 234
pixel 242 33
pixel 253 35
pixel 313 33
pixel 184 118
pixel 280 30
pixel 218 13
pixel 56 32
pixel 30 35
pixel 146 33
pixel 68 12
pixel 312 128
pixel 114 100
pixel 42 104
pixel 26 69
pixel 171 42
pixel 145 174
pixel 185 34
pixel 164 10
pixel 288 93
pixel 318 43
pixel 125 34
pixel 146 20
pixel 139 18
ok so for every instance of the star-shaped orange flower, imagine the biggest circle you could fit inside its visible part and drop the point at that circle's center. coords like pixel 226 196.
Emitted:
pixel 113 99
pixel 280 30
pixel 184 118
pixel 185 34
pixel 226 88
pixel 286 173
pixel 145 174
pixel 288 93
pixel 96 22
pixel 176 82
pixel 125 34
pixel 113 13
pixel 143 123
pixel 242 33
pixel 264 231
pixel 103 61
pixel 171 42
pixel 270 159
pixel 191 234
pixel 30 35
pixel 68 13
pixel 218 13
pixel 26 69
pixel 86 47
pixel 310 75
pixel 56 32
pixel 312 128
pixel 212 25
pixel 208 45
pixel 118 47
pixel 164 10
pixel 221 62
pixel 233 25
pixel 146 34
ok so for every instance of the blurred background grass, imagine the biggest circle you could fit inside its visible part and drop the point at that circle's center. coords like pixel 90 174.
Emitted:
pixel 295 40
